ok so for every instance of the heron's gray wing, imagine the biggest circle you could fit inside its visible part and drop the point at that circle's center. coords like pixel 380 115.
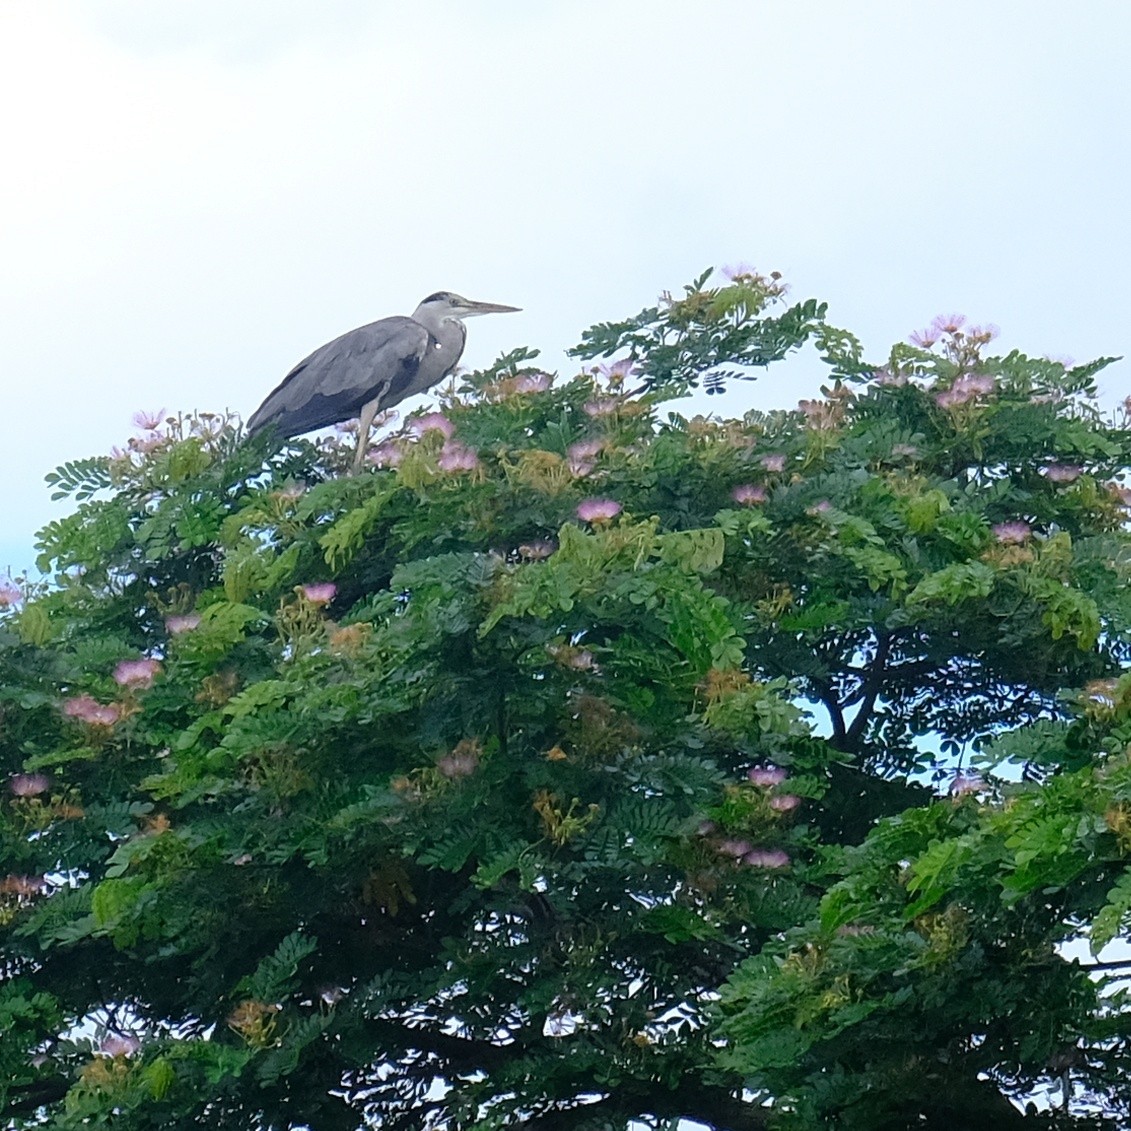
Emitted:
pixel 333 383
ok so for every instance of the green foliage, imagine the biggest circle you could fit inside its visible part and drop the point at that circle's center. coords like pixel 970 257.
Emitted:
pixel 440 805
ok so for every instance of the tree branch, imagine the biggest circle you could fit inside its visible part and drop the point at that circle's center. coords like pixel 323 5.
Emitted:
pixel 871 690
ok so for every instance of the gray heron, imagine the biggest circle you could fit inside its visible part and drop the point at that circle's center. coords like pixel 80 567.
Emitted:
pixel 371 369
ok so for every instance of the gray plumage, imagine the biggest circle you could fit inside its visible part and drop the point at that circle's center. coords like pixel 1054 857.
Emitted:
pixel 371 369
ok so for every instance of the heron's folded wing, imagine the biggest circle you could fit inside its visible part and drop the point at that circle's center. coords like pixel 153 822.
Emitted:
pixel 338 378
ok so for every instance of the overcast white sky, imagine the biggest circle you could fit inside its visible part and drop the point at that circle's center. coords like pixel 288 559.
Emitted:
pixel 196 193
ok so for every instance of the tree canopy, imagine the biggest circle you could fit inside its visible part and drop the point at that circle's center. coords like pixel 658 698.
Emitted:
pixel 579 763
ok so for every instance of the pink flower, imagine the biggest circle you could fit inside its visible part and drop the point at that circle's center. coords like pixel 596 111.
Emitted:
pixel 821 416
pixel 585 449
pixel 765 777
pixel 319 592
pixel 892 380
pixel 823 507
pixel 10 594
pixel 119 1044
pixel 980 383
pixel 136 673
pixel 87 710
pixel 434 422
pixel 1062 472
pixel 924 339
pixel 773 462
pixel 532 383
pixel 965 388
pixel 580 468
pixel 387 454
pixel 538 549
pixel 734 846
pixel 908 450
pixel 740 272
pixel 748 494
pixel 618 371
pixel 601 406
pixel 175 625
pixel 785 803
pixel 706 828
pixel 146 444
pixel 983 334
pixel 766 858
pixel 455 456
pixel 28 785
pixel 1012 533
pixel 462 762
pixel 598 510
pixel 149 421
pixel 948 323
pixel 966 783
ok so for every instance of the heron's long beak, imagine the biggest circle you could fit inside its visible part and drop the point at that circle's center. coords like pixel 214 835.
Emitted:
pixel 469 309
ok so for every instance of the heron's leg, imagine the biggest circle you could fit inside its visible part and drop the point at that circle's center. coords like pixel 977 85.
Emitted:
pixel 364 424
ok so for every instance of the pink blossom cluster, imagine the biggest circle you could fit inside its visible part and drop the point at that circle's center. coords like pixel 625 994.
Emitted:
pixel 598 510
pixel 967 387
pixel 1063 472
pixel 580 456
pixel 889 378
pixel 965 783
pixel 149 421
pixel 434 422
pixel 739 272
pixel 538 549
pixel 532 383
pixel 181 623
pixel 952 326
pixel 387 454
pixel 784 802
pixel 1012 533
pixel 748 494
pixel 85 709
pixel 10 594
pixel 775 461
pixel 319 592
pixel 136 673
pixel 766 777
pixel 119 1044
pixel 585 449
pixel 821 416
pixel 601 406
pixel 617 372
pixel 28 785
pixel 769 858
pixel 455 456
pixel 458 764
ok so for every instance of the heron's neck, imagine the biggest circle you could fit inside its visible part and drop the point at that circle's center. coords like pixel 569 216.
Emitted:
pixel 450 333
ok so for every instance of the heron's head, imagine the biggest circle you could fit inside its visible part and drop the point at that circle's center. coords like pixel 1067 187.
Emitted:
pixel 444 305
